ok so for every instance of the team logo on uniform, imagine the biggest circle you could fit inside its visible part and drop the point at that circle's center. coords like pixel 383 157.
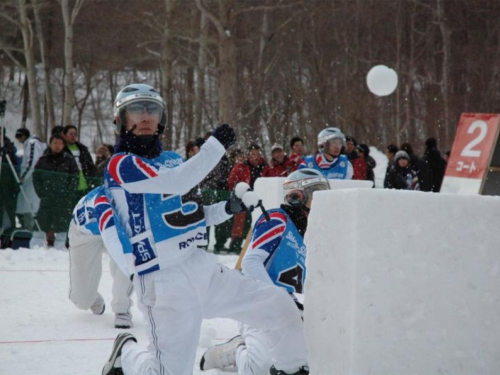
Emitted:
pixel 342 164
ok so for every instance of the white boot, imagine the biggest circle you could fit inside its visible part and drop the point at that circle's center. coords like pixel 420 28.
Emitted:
pixel 98 306
pixel 221 356
pixel 123 321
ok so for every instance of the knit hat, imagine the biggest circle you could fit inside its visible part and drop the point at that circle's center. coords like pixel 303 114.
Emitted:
pixel 276 146
pixel 401 155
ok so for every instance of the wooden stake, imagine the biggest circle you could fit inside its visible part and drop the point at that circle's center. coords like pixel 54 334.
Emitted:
pixel 244 249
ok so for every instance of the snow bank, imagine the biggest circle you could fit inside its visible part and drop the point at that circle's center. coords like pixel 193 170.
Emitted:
pixel 403 283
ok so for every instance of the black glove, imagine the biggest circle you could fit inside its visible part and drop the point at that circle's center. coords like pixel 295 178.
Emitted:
pixel 225 135
pixel 242 199
pixel 234 204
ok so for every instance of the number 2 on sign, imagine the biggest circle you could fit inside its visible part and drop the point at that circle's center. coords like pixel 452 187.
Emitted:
pixel 483 129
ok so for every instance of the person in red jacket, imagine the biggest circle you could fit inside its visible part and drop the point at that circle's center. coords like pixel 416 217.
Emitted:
pixel 358 164
pixel 298 152
pixel 248 171
pixel 280 163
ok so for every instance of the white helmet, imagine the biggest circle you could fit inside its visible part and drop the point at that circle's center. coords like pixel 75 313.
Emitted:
pixel 301 184
pixel 137 92
pixel 330 133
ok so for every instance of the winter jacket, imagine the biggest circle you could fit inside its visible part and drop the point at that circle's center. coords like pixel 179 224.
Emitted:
pixel 217 178
pixel 55 180
pixel 33 150
pixel 402 178
pixel 358 165
pixel 85 161
pixel 294 161
pixel 370 166
pixel 422 171
pixel 245 172
pixel 437 167
pixel 277 169
pixel 8 184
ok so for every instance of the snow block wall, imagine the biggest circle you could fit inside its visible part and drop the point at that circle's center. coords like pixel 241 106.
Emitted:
pixel 270 190
pixel 403 282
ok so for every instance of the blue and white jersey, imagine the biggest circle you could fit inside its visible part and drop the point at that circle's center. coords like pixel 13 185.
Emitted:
pixel 277 246
pixel 94 215
pixel 339 168
pixel 159 203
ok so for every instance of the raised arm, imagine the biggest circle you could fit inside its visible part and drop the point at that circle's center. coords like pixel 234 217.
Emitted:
pixel 135 176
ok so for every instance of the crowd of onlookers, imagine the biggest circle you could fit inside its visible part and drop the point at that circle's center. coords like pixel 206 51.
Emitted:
pixel 42 188
pixel 405 170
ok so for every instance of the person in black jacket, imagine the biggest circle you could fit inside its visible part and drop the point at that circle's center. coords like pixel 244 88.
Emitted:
pixel 401 176
pixel 419 167
pixel 87 169
pixel 8 184
pixel 435 162
pixel 55 179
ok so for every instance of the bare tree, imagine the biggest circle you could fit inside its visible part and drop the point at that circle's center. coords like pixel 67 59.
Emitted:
pixel 49 101
pixel 69 17
pixel 29 54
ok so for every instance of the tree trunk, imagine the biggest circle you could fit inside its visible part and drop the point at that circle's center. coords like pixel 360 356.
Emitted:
pixel 166 74
pixel 202 65
pixel 69 20
pixel 27 32
pixel 49 116
pixel 227 79
pixel 445 34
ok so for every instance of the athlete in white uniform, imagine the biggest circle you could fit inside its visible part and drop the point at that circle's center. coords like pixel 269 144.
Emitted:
pixel 276 255
pixel 93 230
pixel 158 201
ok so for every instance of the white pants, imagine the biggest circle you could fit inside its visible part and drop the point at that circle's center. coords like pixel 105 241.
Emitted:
pixel 85 257
pixel 253 357
pixel 174 301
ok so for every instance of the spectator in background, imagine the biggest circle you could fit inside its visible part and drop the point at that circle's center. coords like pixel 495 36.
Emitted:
pixel 364 153
pixel 402 176
pixel 55 178
pixel 102 156
pixel 58 129
pixel 298 152
pixel 390 152
pixel 248 171
pixel 436 164
pixel 86 167
pixel 280 165
pixel 236 157
pixel 27 204
pixel 358 164
pixel 419 167
pixel 330 159
pixel 214 189
pixel 8 184
pixel 191 149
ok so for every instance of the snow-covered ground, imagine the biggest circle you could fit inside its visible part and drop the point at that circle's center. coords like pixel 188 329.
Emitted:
pixel 43 333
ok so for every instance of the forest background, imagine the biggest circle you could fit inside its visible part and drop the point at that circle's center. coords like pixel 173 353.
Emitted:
pixel 274 69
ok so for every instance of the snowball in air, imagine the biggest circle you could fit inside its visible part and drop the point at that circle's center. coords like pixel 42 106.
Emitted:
pixel 381 80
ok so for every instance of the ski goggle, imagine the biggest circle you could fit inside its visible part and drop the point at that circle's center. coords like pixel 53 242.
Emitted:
pixel 138 108
pixel 300 196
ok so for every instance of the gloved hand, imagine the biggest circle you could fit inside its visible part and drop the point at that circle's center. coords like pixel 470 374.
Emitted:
pixel 225 135
pixel 242 199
